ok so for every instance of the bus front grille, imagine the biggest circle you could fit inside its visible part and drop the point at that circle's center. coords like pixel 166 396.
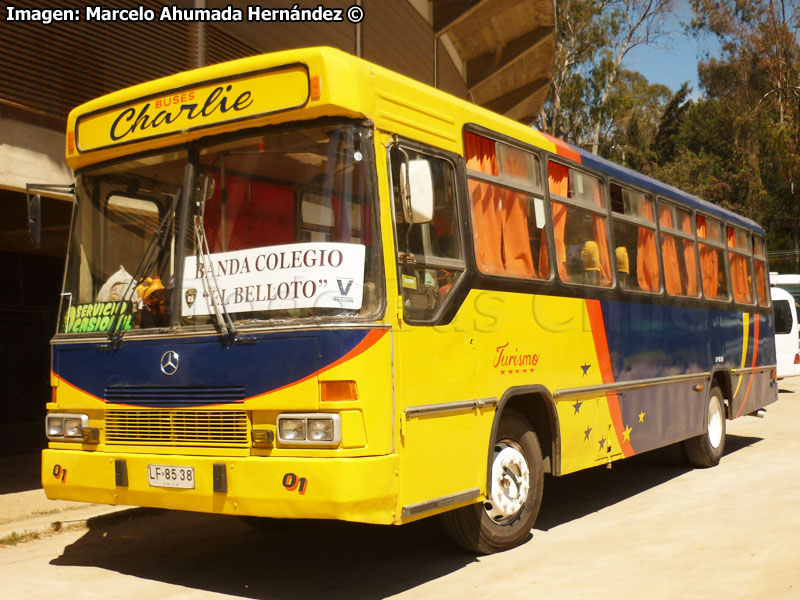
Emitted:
pixel 208 428
pixel 186 396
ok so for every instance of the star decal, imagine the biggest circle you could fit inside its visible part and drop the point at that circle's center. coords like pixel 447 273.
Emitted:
pixel 641 416
pixel 626 435
pixel 602 443
pixel 577 407
pixel 586 434
pixel 585 368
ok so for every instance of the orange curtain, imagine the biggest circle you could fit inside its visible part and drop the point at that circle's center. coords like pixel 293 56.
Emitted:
pixel 500 216
pixel 672 271
pixel 558 176
pixel 517 255
pixel 486 224
pixel 709 262
pixel 480 156
pixel 689 258
pixel 740 283
pixel 601 237
pixel 646 255
pixel 761 283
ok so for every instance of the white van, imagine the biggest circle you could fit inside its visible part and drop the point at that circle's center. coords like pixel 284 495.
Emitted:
pixel 787 342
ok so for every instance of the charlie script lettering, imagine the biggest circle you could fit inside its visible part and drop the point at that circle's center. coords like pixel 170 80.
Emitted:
pixel 128 121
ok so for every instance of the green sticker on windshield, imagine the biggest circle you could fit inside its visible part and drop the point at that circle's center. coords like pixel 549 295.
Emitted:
pixel 98 316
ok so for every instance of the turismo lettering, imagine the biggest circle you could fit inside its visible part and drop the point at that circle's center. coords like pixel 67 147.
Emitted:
pixel 98 316
pixel 503 358
pixel 128 121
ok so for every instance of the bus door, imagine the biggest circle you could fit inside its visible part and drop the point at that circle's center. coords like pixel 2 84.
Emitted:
pixel 435 357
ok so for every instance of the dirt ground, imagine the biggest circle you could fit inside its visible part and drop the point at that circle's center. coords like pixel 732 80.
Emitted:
pixel 648 528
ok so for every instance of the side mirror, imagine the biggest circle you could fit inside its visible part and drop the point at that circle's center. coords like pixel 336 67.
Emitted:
pixel 416 181
pixel 35 220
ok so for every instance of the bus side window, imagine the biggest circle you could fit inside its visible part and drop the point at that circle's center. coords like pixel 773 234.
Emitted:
pixel 739 249
pixel 712 258
pixel 759 255
pixel 634 239
pixel 429 254
pixel 579 226
pixel 678 250
pixel 508 221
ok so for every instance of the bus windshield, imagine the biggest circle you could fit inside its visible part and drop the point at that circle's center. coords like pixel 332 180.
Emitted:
pixel 280 227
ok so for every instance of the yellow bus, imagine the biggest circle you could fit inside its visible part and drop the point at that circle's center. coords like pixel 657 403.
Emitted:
pixel 299 285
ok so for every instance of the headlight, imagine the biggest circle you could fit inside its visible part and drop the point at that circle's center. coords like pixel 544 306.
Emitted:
pixel 55 426
pixel 318 429
pixel 63 426
pixel 292 429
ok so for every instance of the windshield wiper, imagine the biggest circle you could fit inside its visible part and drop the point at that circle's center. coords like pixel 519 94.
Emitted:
pixel 149 259
pixel 203 254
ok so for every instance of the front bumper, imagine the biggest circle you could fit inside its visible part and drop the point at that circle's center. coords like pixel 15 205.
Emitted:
pixel 350 489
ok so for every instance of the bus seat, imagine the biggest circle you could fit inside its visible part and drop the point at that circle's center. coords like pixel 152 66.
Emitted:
pixel 623 266
pixel 590 255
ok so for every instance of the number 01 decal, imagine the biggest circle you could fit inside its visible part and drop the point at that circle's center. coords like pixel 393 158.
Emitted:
pixel 60 473
pixel 292 482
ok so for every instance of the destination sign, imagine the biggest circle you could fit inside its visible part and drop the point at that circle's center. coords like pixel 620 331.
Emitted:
pixel 184 109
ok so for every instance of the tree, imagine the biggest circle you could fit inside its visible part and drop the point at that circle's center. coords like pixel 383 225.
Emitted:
pixel 594 37
pixel 753 92
pixel 634 109
pixel 665 142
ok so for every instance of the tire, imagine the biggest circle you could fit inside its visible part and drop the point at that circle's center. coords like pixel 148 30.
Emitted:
pixel 706 449
pixel 505 519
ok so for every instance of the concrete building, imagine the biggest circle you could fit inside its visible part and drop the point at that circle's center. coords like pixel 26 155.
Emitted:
pixel 497 53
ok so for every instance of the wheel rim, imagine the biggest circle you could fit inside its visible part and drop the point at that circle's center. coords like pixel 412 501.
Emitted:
pixel 510 483
pixel 714 422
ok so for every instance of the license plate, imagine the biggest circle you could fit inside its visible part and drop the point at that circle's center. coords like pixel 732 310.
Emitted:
pixel 170 476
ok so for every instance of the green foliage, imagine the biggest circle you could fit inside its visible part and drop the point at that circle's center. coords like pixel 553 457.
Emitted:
pixel 737 145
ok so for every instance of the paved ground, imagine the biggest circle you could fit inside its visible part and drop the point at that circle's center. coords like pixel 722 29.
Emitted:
pixel 648 528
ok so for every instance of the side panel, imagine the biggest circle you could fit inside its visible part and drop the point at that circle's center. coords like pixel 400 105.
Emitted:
pixel 626 378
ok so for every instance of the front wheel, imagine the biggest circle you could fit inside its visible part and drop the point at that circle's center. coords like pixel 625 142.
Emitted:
pixel 706 449
pixel 507 515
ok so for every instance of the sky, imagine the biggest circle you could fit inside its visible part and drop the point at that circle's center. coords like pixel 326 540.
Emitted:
pixel 674 59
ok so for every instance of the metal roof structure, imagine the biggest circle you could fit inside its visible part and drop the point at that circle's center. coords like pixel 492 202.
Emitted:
pixel 508 47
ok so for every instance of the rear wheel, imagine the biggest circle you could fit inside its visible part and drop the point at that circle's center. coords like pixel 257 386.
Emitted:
pixel 706 449
pixel 505 519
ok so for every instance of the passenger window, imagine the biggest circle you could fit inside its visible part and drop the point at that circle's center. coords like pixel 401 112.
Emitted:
pixel 760 255
pixel 508 215
pixel 712 258
pixel 739 249
pixel 635 240
pixel 678 251
pixel 429 254
pixel 579 227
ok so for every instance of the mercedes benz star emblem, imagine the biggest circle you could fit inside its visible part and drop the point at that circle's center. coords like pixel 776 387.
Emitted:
pixel 169 362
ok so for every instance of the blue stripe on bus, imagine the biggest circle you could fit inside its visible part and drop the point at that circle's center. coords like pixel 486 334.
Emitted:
pixel 656 340
pixel 650 340
pixel 237 371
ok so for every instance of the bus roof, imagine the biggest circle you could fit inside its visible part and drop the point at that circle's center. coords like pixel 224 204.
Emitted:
pixel 304 84
pixel 624 174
